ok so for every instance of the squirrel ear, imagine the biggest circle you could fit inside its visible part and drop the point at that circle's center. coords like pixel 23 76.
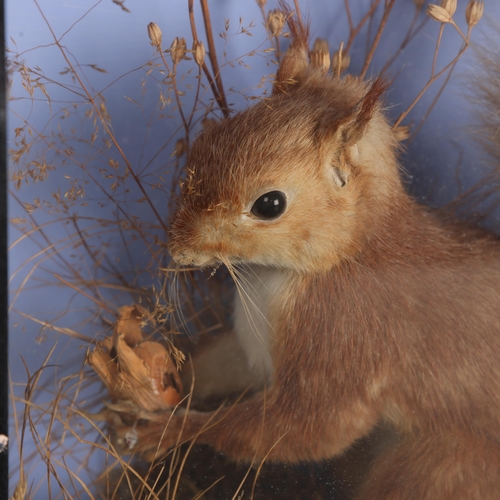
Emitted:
pixel 339 176
pixel 350 127
pixel 363 113
pixel 294 66
pixel 338 170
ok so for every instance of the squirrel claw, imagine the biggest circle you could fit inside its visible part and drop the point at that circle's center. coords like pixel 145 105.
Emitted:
pixel 148 438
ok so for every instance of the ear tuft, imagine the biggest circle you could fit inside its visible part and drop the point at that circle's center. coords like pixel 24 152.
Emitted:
pixel 370 100
pixel 340 124
pixel 363 112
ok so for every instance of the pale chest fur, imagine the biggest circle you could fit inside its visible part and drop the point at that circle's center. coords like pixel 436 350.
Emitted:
pixel 255 311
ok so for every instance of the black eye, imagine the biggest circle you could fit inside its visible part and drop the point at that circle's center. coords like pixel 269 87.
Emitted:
pixel 269 205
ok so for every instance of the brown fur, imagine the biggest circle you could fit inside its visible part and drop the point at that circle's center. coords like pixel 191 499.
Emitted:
pixel 385 312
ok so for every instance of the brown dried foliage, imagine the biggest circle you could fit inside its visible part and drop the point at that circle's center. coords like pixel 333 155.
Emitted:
pixel 138 373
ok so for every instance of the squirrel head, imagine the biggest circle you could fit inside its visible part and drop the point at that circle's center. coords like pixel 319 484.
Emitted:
pixel 299 181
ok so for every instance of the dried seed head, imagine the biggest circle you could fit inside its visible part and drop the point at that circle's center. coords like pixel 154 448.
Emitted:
pixel 206 123
pixel 438 13
pixel 320 59
pixel 262 3
pixel 419 3
pixel 180 147
pixel 154 33
pixel 340 61
pixel 199 52
pixel 449 6
pixel 178 49
pixel 474 12
pixel 320 45
pixel 275 21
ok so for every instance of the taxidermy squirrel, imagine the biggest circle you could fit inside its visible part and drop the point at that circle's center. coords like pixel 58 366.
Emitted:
pixel 359 306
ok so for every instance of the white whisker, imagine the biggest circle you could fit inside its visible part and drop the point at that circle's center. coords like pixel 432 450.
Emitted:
pixel 175 297
pixel 245 281
pixel 245 299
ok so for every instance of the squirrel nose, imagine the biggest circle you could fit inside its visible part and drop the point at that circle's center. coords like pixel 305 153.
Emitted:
pixel 187 258
pixel 183 258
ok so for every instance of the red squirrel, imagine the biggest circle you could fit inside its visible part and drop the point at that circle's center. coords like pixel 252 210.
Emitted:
pixel 357 305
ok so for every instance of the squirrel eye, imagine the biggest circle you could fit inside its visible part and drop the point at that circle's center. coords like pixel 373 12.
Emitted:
pixel 269 205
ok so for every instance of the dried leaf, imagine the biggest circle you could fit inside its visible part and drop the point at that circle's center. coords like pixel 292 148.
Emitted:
pixel 139 374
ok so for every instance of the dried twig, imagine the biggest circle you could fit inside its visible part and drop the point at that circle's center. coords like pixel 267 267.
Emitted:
pixel 208 75
pixel 355 31
pixel 213 57
pixel 389 4
pixel 101 116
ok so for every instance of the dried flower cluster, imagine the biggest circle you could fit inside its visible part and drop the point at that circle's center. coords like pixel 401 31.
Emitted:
pixel 155 35
pixel 178 50
pixel 444 13
pixel 474 12
pixel 276 22
pixel 320 55
pixel 199 52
